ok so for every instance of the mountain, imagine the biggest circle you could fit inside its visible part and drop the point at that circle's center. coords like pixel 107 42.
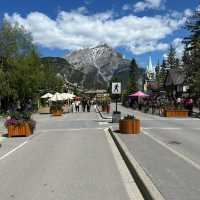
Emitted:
pixel 98 64
pixel 61 66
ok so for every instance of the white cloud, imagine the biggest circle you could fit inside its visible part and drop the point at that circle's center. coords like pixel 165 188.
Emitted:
pixel 179 46
pixel 75 29
pixel 148 47
pixel 82 10
pixel 188 12
pixel 149 4
pixel 126 7
pixel 198 8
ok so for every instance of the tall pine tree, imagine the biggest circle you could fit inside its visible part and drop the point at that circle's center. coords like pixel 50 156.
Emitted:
pixel 172 60
pixel 133 78
pixel 191 56
pixel 163 73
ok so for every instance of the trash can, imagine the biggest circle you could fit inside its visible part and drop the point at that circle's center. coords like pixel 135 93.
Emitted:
pixel 116 116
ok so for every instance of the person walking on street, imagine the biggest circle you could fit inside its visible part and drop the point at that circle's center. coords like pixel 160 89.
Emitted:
pixel 77 105
pixel 88 106
pixel 84 104
pixel 72 107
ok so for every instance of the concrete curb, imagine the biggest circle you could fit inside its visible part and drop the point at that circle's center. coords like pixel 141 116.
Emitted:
pixel 128 181
pixel 144 183
pixel 100 113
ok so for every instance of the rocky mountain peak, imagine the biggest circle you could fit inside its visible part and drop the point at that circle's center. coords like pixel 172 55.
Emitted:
pixel 101 60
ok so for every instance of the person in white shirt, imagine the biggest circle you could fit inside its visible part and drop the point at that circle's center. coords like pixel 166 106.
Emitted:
pixel 77 103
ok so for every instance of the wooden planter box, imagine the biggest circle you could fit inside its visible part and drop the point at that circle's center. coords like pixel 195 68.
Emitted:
pixel 19 130
pixel 176 113
pixel 57 113
pixel 129 126
pixel 104 109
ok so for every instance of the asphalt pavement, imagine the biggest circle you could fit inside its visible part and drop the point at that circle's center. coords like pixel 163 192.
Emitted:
pixel 67 158
pixel 168 150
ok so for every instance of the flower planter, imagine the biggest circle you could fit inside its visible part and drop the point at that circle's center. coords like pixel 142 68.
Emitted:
pixel 57 113
pixel 129 126
pixel 176 113
pixel 19 130
pixel 104 109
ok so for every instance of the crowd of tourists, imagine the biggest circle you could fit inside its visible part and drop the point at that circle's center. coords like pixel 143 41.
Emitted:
pixel 158 104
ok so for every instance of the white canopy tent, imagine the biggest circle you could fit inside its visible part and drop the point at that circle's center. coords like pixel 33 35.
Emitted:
pixel 47 95
pixel 57 97
pixel 67 96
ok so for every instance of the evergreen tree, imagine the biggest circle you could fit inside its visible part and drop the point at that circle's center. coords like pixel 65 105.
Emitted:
pixel 157 69
pixel 158 73
pixel 163 73
pixel 191 56
pixel 133 78
pixel 172 60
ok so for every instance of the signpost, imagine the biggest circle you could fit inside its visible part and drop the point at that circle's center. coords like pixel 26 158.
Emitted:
pixel 116 91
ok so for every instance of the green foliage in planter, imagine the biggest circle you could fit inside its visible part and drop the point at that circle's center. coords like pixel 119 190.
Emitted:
pixel 18 118
pixel 55 107
pixel 129 117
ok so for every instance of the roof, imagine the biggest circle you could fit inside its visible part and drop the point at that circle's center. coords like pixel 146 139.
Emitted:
pixel 96 91
pixel 175 76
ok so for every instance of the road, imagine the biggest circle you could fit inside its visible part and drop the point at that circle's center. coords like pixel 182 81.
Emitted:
pixel 68 157
pixel 168 150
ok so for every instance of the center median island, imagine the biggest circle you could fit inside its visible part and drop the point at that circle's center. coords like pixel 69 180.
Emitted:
pixel 144 183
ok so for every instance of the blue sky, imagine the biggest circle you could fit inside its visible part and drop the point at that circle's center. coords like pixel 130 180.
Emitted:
pixel 136 28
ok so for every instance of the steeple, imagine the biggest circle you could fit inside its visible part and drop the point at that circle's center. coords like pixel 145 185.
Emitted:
pixel 150 70
pixel 150 65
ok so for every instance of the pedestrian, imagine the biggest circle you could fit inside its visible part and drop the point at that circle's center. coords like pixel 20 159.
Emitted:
pixel 88 106
pixel 73 107
pixel 190 106
pixel 83 104
pixel 77 105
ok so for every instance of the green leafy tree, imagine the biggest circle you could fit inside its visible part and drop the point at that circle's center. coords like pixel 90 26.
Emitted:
pixel 50 81
pixel 22 76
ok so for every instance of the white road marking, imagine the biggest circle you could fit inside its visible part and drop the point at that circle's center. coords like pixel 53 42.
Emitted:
pixel 103 123
pixel 180 155
pixel 13 150
pixel 129 183
pixel 72 129
pixel 168 119
pixel 161 128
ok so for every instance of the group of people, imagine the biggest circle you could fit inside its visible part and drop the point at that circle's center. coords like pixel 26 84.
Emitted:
pixel 159 103
pixel 85 104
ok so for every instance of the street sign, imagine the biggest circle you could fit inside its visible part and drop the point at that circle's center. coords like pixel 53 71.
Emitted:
pixel 116 88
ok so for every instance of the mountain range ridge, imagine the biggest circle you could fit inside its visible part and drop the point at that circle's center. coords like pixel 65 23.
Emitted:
pixel 91 68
